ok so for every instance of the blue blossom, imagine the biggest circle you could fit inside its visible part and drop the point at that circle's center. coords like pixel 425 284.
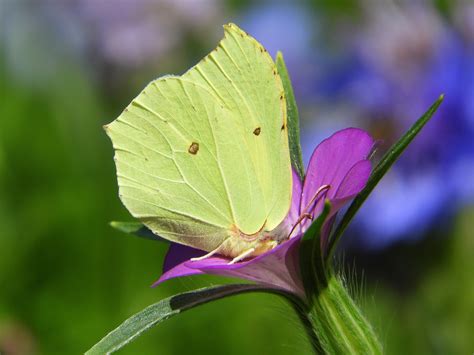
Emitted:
pixel 400 61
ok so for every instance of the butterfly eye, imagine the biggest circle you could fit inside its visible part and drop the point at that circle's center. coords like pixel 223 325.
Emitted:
pixel 257 131
pixel 193 148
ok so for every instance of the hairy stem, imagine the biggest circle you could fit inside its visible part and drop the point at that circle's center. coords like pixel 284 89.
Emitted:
pixel 339 324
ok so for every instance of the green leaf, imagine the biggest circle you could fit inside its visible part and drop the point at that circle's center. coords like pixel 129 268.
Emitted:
pixel 382 167
pixel 293 117
pixel 312 267
pixel 165 309
pixel 137 229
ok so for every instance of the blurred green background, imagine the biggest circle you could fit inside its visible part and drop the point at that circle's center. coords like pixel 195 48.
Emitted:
pixel 67 278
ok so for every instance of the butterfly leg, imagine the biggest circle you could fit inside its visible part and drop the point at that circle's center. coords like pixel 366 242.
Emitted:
pixel 242 256
pixel 208 255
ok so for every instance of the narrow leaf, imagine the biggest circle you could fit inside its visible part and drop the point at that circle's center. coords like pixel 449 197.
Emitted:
pixel 137 229
pixel 165 309
pixel 311 258
pixel 379 171
pixel 293 117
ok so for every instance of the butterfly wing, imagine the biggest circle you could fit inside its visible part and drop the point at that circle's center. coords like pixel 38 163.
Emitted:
pixel 204 154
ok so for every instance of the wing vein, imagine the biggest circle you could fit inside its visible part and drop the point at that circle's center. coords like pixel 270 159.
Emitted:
pixel 142 144
pixel 152 175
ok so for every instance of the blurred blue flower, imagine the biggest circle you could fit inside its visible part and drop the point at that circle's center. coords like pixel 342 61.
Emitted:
pixel 399 63
pixel 289 27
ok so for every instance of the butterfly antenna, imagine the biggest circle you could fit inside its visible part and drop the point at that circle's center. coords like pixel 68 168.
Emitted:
pixel 307 211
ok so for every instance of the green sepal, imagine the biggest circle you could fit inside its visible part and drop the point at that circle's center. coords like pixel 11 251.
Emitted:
pixel 379 171
pixel 136 229
pixel 313 269
pixel 158 312
pixel 292 118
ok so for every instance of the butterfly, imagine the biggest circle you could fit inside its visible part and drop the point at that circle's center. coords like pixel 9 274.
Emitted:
pixel 202 159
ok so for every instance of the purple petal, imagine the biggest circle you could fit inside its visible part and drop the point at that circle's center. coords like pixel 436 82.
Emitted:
pixel 355 180
pixel 332 161
pixel 353 183
pixel 175 260
pixel 277 268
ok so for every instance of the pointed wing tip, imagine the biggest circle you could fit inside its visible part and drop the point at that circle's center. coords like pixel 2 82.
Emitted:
pixel 232 27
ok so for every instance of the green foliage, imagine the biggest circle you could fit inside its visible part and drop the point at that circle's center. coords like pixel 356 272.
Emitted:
pixel 136 228
pixel 312 267
pixel 292 117
pixel 337 322
pixel 165 309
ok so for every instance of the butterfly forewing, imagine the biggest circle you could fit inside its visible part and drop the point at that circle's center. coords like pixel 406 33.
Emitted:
pixel 243 76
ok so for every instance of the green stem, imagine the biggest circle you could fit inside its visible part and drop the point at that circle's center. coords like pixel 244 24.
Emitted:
pixel 304 316
pixel 339 324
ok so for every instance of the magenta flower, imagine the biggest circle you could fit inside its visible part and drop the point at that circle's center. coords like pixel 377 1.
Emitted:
pixel 338 170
